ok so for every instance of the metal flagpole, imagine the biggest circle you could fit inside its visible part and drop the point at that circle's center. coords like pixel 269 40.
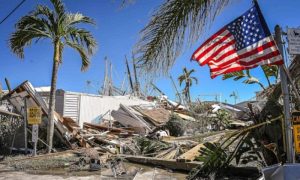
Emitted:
pixel 287 114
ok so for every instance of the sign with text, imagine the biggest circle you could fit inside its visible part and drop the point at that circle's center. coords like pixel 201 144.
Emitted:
pixel 296 130
pixel 293 35
pixel 34 115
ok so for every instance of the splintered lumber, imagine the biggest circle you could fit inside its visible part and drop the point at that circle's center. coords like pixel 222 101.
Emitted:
pixel 185 117
pixel 26 91
pixel 73 127
pixel 126 120
pixel 103 128
pixel 127 109
pixel 7 113
pixel 167 163
pixel 70 124
pixel 192 153
pixel 158 116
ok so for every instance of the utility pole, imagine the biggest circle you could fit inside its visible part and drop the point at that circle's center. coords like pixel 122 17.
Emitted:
pixel 177 92
pixel 285 92
pixel 104 87
pixel 137 84
pixel 129 75
pixel 7 84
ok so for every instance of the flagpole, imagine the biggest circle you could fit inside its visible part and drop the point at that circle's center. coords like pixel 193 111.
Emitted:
pixel 286 104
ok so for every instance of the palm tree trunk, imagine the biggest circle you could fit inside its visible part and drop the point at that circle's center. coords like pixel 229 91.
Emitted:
pixel 50 129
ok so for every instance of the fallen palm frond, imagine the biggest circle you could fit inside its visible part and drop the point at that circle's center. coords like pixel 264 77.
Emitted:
pixel 148 146
pixel 175 24
pixel 216 157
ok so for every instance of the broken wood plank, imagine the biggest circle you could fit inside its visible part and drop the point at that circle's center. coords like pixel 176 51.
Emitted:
pixel 170 164
pixel 158 116
pixel 192 153
pixel 103 128
pixel 127 109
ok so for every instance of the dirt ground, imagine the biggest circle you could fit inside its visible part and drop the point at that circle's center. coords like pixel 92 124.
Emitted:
pixel 143 172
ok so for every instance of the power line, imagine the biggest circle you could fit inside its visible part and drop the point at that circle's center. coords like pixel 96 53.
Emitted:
pixel 13 11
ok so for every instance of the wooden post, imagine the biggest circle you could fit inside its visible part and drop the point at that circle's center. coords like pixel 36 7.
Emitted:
pixel 25 124
pixel 285 92
pixel 35 136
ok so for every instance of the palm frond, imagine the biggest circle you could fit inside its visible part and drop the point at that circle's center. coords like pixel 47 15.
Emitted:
pixel 236 75
pixel 35 24
pixel 162 39
pixel 59 7
pixel 76 18
pixel 216 156
pixel 191 71
pixel 83 54
pixel 45 13
pixel 270 71
pixel 195 79
pixel 251 80
pixel 181 79
pixel 22 38
pixel 82 37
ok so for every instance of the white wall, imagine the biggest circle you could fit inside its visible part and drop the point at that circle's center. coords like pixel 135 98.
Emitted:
pixel 92 107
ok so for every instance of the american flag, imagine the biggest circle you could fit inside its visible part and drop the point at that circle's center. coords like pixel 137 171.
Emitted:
pixel 242 44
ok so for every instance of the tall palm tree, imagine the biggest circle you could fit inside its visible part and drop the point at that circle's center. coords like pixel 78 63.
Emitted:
pixel 174 24
pixel 61 28
pixel 188 79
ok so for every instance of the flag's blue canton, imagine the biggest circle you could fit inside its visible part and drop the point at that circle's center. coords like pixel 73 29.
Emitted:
pixel 247 29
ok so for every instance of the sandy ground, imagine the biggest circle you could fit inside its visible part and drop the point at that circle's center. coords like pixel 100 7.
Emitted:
pixel 144 173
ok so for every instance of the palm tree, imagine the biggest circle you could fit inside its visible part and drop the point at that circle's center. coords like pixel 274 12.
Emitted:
pixel 188 79
pixel 61 28
pixel 176 23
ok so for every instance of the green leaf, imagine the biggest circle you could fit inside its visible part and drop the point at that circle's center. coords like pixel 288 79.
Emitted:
pixel 251 80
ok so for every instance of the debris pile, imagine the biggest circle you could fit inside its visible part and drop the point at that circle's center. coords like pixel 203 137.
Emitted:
pixel 164 135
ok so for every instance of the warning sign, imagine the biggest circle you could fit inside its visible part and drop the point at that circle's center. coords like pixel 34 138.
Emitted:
pixel 296 130
pixel 294 40
pixel 34 115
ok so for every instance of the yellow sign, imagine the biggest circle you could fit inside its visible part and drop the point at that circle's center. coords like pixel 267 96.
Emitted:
pixel 296 130
pixel 34 115
pixel 296 117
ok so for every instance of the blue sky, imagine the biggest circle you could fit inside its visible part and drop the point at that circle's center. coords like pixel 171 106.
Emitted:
pixel 117 31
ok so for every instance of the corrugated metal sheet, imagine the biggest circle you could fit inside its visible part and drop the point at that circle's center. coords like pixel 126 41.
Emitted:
pixel 71 106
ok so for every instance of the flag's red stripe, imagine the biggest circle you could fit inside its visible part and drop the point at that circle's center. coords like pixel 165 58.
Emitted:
pixel 208 40
pixel 263 58
pixel 245 55
pixel 231 43
pixel 239 68
pixel 255 61
pixel 224 56
pixel 207 50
